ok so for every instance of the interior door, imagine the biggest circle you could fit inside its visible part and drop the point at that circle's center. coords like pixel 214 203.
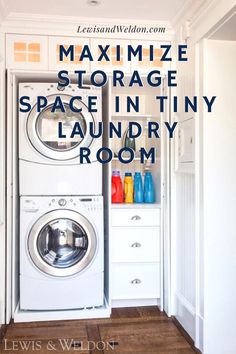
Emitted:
pixel 43 129
pixel 62 243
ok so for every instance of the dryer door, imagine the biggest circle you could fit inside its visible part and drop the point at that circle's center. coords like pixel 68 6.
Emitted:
pixel 62 243
pixel 42 129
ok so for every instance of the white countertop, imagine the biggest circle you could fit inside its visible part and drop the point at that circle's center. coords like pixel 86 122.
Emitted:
pixel 135 205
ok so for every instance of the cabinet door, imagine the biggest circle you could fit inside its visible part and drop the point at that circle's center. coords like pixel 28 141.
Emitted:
pixel 113 64
pixel 67 64
pixel 26 52
pixel 145 65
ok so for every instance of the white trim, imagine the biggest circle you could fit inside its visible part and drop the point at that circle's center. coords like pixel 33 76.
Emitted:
pixel 185 314
pixel 67 26
pixel 9 191
pixel 2 184
pixel 199 328
pixel 165 212
pixel 217 28
pixel 185 12
pixel 198 201
pixel 203 25
pixel 185 302
pixel 3 11
pixel 84 20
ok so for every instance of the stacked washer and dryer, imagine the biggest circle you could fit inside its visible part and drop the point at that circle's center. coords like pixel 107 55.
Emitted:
pixel 61 204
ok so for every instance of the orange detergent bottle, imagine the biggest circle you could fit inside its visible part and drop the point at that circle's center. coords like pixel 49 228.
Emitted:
pixel 128 188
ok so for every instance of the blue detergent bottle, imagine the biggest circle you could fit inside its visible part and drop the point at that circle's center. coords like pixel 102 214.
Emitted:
pixel 149 195
pixel 138 188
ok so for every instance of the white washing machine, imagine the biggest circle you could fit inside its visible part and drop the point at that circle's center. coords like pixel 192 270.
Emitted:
pixel 49 164
pixel 61 252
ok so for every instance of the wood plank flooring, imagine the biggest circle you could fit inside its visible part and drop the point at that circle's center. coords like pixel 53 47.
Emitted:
pixel 141 330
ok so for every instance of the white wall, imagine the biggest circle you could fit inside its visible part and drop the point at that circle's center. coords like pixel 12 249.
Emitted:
pixel 219 192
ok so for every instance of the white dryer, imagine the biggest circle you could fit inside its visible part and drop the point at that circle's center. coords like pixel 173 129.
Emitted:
pixel 61 252
pixel 49 164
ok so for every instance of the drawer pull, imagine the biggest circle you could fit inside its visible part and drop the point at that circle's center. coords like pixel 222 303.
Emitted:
pixel 135 281
pixel 136 217
pixel 136 244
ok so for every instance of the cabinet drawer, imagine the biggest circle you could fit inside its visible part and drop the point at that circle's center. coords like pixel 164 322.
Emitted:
pixel 135 281
pixel 135 244
pixel 136 217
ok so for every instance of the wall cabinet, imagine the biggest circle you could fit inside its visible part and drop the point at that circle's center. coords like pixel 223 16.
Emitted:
pixel 145 65
pixel 31 52
pixel 113 64
pixel 26 52
pixel 67 64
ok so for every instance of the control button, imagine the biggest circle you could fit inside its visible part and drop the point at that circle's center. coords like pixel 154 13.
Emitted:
pixel 62 202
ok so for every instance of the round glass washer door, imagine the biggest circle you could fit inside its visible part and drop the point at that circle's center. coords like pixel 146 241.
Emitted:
pixel 42 129
pixel 62 243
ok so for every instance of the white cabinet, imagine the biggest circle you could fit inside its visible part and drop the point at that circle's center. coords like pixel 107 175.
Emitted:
pixel 135 244
pixel 114 63
pixel 136 281
pixel 135 253
pixel 135 217
pixel 145 65
pixel 75 46
pixel 26 52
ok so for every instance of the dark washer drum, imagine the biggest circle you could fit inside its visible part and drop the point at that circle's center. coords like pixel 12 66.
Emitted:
pixel 62 243
pixel 42 129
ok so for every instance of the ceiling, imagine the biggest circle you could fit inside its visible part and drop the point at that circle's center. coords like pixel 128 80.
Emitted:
pixel 154 10
pixel 227 31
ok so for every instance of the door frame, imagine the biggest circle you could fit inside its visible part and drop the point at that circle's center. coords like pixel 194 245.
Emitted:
pixel 218 19
pixel 3 181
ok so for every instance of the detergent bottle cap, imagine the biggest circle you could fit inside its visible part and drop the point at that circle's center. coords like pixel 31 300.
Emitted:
pixel 128 174
pixel 148 173
pixel 115 173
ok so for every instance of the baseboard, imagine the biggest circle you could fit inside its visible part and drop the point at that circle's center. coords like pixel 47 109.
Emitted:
pixel 3 329
pixel 200 324
pixel 185 334
pixel 135 303
pixel 185 314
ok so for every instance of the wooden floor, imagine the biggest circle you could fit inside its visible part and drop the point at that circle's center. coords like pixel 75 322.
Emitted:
pixel 142 330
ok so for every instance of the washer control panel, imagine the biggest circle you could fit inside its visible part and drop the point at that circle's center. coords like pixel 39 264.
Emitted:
pixel 34 204
pixel 62 202
pixel 88 203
